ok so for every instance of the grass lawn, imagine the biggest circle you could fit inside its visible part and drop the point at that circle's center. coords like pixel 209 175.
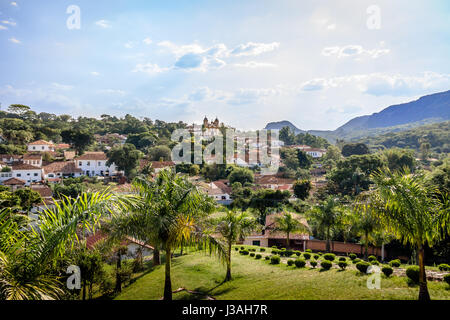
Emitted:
pixel 258 280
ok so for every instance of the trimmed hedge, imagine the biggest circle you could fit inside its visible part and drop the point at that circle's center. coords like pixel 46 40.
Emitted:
pixel 297 253
pixel 352 256
pixel 275 251
pixel 244 252
pixel 307 255
pixel 363 266
pixel 308 250
pixel 326 265
pixel 372 258
pixel 262 250
pixel 395 263
pixel 447 278
pixel 258 256
pixel 342 264
pixel 252 254
pixel 387 270
pixel 413 273
pixel 355 261
pixel 237 249
pixel 290 262
pixel 275 259
pixel 329 256
pixel 313 263
pixel 266 258
pixel 300 263
pixel 342 259
pixel 374 262
pixel 316 256
pixel 444 267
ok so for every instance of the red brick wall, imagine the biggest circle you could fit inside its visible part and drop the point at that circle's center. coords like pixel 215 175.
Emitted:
pixel 341 247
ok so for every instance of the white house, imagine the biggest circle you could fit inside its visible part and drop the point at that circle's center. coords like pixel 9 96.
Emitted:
pixel 55 171
pixel 33 159
pixel 26 172
pixel 315 153
pixel 41 146
pixel 219 191
pixel 93 164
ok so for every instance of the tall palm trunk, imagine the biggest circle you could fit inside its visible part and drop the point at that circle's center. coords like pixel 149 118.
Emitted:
pixel 118 276
pixel 366 245
pixel 228 276
pixel 423 289
pixel 168 282
pixel 156 257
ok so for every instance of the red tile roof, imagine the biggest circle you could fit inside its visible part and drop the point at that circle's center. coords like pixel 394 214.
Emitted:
pixel 24 166
pixel 14 182
pixel 41 142
pixel 93 156
pixel 44 191
pixel 66 167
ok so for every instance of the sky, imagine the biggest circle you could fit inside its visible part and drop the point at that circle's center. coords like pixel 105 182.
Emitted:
pixel 315 63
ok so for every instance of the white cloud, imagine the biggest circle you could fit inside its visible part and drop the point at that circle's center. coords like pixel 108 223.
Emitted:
pixel 95 73
pixel 331 27
pixel 60 86
pixel 113 92
pixel 3 27
pixel 14 40
pixel 9 22
pixel 14 4
pixel 129 45
pixel 147 41
pixel 105 24
pixel 254 64
pixel 254 49
pixel 353 51
pixel 149 68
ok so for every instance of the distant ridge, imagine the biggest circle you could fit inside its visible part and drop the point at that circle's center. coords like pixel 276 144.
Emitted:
pixel 427 109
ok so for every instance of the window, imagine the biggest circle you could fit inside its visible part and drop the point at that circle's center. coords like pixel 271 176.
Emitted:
pixel 43 147
pixel 99 164
pixel 80 163
pixel 34 148
pixel 88 163
pixel 257 243
pixel 19 175
pixel 35 174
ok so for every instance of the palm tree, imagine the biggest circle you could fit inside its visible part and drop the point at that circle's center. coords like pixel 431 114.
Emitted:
pixel 289 224
pixel 412 211
pixel 27 253
pixel 326 215
pixel 232 227
pixel 366 223
pixel 166 214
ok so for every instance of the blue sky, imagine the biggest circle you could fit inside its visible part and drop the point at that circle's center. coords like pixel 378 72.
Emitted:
pixel 315 63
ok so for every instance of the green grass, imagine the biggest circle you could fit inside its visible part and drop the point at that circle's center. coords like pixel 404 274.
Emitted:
pixel 258 280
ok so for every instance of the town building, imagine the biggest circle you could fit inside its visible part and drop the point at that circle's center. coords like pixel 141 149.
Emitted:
pixel 93 164
pixel 41 146
pixel 28 173
pixel 33 159
pixel 56 171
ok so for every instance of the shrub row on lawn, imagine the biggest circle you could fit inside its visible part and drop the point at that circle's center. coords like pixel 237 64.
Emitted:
pixel 444 267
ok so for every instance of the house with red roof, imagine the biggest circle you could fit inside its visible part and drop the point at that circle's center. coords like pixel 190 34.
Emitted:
pixel 41 146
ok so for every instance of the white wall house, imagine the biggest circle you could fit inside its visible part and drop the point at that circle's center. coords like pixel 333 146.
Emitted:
pixel 41 146
pixel 33 159
pixel 27 173
pixel 315 153
pixel 93 164
pixel 55 171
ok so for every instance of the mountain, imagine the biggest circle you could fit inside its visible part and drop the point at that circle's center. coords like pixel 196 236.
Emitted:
pixel 426 110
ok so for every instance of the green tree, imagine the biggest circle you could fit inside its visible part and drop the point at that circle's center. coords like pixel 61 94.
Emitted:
pixel 302 188
pixel 287 135
pixel 80 139
pixel 28 198
pixel 355 149
pixel 232 227
pixel 366 224
pixel 126 158
pixel 159 153
pixel 242 175
pixel 410 210
pixel 290 223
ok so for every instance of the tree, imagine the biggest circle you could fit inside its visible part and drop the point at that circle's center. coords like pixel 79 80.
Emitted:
pixel 410 210
pixel 398 159
pixel 19 109
pixel 355 149
pixel 425 150
pixel 159 153
pixel 80 139
pixel 242 175
pixel 233 227
pixel 304 160
pixel 28 198
pixel 302 189
pixel 126 158
pixel 287 135
pixel 333 153
pixel 289 223
pixel 326 215
pixel 366 223
pixel 166 214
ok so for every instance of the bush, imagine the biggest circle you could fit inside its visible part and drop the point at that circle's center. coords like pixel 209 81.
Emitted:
pixel 356 260
pixel 387 270
pixel 342 259
pixel 316 256
pixel 313 263
pixel 237 249
pixel 275 259
pixel 371 258
pixel 308 250
pixel 252 254
pixel 363 266
pixel 342 264
pixel 300 263
pixel 288 253
pixel 262 250
pixel 258 256
pixel 244 252
pixel 447 278
pixel 266 258
pixel 242 248
pixel 352 256
pixel 444 267
pixel 274 247
pixel 253 250
pixel 374 262
pixel 413 273
pixel 297 253
pixel 326 265
pixel 329 256
pixel 290 262
pixel 395 263
pixel 275 251
pixel 307 255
